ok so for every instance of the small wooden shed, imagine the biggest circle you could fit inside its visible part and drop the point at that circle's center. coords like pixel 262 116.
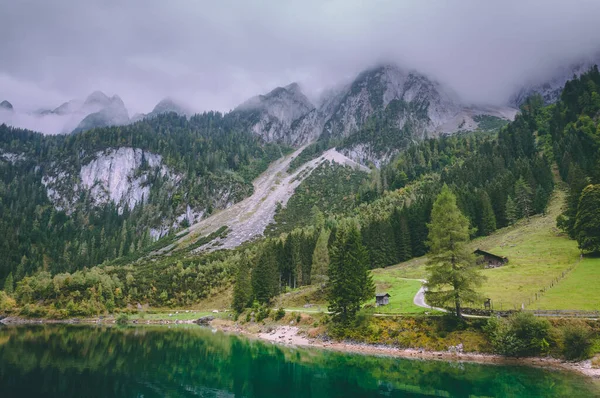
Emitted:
pixel 382 299
pixel 490 260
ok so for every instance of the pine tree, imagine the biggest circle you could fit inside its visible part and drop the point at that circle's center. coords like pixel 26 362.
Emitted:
pixel 242 289
pixel 401 235
pixel 487 222
pixel 9 284
pixel 418 215
pixel 378 238
pixel 587 224
pixel 523 198
pixel 265 275
pixel 540 200
pixel 511 211
pixel 350 281
pixel 453 272
pixel 320 259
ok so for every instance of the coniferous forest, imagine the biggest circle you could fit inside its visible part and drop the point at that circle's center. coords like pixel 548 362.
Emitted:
pixel 496 177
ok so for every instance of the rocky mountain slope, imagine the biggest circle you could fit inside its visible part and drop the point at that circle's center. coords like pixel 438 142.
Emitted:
pixel 97 110
pixel 111 112
pixel 271 116
pixel 551 88
pixel 248 219
pixel 408 102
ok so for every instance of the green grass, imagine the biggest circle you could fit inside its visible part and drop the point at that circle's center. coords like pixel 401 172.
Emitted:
pixel 538 253
pixel 578 290
pixel 401 290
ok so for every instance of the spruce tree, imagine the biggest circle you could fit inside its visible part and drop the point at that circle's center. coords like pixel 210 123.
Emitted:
pixel 587 224
pixel 511 211
pixel 265 275
pixel 9 284
pixel 242 289
pixel 350 281
pixel 523 198
pixel 453 272
pixel 378 238
pixel 401 235
pixel 487 221
pixel 320 258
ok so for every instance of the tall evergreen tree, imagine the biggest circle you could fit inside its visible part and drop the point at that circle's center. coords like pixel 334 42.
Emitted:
pixel 265 278
pixel 587 225
pixel 350 281
pixel 242 289
pixel 577 182
pixel 453 272
pixel 9 284
pixel 523 198
pixel 401 235
pixel 378 238
pixel 320 259
pixel 511 211
pixel 487 219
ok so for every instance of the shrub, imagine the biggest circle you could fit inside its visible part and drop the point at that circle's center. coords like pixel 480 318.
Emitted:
pixel 522 334
pixel 7 303
pixel 263 312
pixel 122 319
pixel 279 314
pixel 34 311
pixel 577 342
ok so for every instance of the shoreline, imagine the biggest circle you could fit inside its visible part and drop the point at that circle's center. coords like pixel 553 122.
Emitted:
pixel 291 336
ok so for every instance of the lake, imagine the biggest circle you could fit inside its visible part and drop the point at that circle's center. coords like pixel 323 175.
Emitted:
pixel 190 361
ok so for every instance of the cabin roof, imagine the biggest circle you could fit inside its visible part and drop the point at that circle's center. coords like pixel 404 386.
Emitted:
pixel 383 295
pixel 484 253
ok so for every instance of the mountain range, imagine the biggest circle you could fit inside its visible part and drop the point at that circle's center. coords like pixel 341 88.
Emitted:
pixel 97 110
pixel 286 115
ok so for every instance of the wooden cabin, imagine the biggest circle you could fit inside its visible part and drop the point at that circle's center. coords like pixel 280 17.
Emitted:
pixel 382 299
pixel 490 260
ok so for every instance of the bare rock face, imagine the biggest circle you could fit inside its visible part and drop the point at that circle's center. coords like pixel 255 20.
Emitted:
pixel 385 96
pixel 272 115
pixel 120 176
pixel 375 89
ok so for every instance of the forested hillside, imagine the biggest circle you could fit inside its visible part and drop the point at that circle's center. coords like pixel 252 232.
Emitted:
pixel 497 177
pixel 52 221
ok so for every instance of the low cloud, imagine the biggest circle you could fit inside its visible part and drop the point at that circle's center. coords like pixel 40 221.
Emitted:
pixel 214 55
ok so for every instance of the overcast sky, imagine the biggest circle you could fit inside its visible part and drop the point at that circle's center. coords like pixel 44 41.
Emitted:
pixel 215 54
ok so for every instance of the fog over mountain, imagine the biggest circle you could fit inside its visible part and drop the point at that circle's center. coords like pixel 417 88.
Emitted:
pixel 215 56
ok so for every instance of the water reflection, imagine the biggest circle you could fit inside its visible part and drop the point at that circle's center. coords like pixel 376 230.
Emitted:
pixel 83 361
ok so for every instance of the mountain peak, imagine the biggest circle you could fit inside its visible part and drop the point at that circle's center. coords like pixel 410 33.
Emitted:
pixel 167 105
pixel 97 98
pixel 6 105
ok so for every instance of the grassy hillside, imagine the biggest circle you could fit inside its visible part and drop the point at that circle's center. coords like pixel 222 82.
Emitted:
pixel 401 290
pixel 579 290
pixel 538 255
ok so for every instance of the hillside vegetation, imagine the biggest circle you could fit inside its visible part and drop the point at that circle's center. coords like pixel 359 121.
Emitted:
pixel 502 182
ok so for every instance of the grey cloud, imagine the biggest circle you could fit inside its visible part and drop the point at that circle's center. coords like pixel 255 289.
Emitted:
pixel 214 55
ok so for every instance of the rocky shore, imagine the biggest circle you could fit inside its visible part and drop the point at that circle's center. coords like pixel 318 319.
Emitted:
pixel 292 336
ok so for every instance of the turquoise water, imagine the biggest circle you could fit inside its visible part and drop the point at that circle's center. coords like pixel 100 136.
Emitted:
pixel 85 361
